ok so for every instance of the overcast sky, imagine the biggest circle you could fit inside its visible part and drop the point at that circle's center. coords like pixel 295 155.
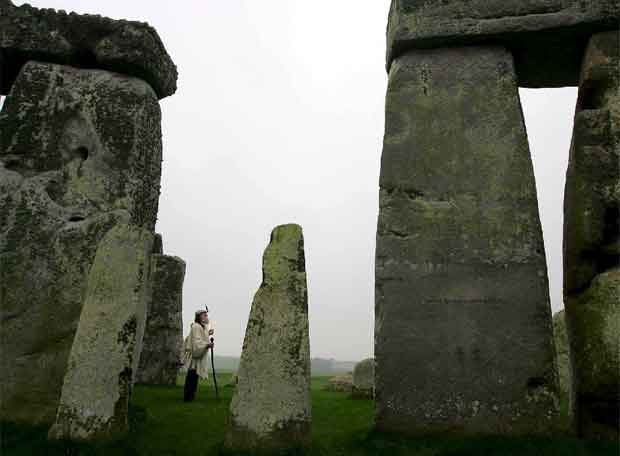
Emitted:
pixel 279 118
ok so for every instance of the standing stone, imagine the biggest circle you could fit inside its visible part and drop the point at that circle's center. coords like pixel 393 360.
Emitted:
pixel 105 353
pixel 163 336
pixel 364 378
pixel 592 243
pixel 271 406
pixel 80 151
pixel 563 355
pixel 463 333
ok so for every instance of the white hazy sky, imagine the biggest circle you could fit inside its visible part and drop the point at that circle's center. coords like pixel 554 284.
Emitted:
pixel 279 118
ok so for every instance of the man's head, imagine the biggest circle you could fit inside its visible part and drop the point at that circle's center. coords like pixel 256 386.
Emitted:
pixel 202 316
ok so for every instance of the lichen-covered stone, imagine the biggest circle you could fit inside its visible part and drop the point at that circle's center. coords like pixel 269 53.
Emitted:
pixel 463 331
pixel 86 41
pixel 271 406
pixel 80 151
pixel 546 37
pixel 562 349
pixel 592 241
pixel 364 378
pixel 104 356
pixel 163 336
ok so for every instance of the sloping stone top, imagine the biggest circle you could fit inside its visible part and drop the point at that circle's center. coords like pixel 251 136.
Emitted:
pixel 547 37
pixel 86 41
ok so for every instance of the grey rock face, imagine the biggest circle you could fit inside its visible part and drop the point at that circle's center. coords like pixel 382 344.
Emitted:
pixel 592 243
pixel 547 37
pixel 131 48
pixel 364 378
pixel 562 348
pixel 463 333
pixel 80 151
pixel 163 337
pixel 104 356
pixel 271 406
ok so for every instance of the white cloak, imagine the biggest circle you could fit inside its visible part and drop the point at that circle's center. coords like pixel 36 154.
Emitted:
pixel 196 352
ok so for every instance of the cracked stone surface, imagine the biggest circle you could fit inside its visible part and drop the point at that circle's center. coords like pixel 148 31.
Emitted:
pixel 546 37
pixel 86 41
pixel 271 407
pixel 80 152
pixel 463 329
pixel 592 242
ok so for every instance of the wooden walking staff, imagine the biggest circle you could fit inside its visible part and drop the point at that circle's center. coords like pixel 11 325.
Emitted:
pixel 212 339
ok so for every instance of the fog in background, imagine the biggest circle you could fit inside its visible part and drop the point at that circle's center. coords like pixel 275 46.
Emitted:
pixel 279 118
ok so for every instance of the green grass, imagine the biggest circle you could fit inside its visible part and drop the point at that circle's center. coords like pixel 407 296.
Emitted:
pixel 164 425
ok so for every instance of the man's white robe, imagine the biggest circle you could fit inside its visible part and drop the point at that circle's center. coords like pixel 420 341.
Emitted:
pixel 196 352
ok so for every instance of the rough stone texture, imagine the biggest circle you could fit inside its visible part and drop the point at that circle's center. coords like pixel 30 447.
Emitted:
pixel 562 354
pixel 364 378
pixel 80 151
pixel 591 241
pixel 340 383
pixel 86 41
pixel 463 331
pixel 158 244
pixel 163 337
pixel 271 406
pixel 547 37
pixel 104 357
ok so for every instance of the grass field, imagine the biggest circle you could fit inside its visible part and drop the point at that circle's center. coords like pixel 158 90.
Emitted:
pixel 164 425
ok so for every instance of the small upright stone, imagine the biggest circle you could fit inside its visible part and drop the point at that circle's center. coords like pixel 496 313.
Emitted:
pixel 271 406
pixel 364 378
pixel 105 353
pixel 163 336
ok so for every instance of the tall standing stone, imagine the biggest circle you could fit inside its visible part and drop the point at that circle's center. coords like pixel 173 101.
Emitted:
pixel 592 241
pixel 271 406
pixel 80 151
pixel 163 336
pixel 104 357
pixel 463 333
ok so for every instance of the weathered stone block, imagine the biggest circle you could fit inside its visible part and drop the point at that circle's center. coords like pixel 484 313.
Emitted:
pixel 562 348
pixel 163 336
pixel 105 353
pixel 592 241
pixel 364 378
pixel 80 151
pixel 463 332
pixel 86 41
pixel 547 37
pixel 271 407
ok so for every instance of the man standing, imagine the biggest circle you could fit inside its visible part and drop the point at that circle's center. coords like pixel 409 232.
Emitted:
pixel 197 345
